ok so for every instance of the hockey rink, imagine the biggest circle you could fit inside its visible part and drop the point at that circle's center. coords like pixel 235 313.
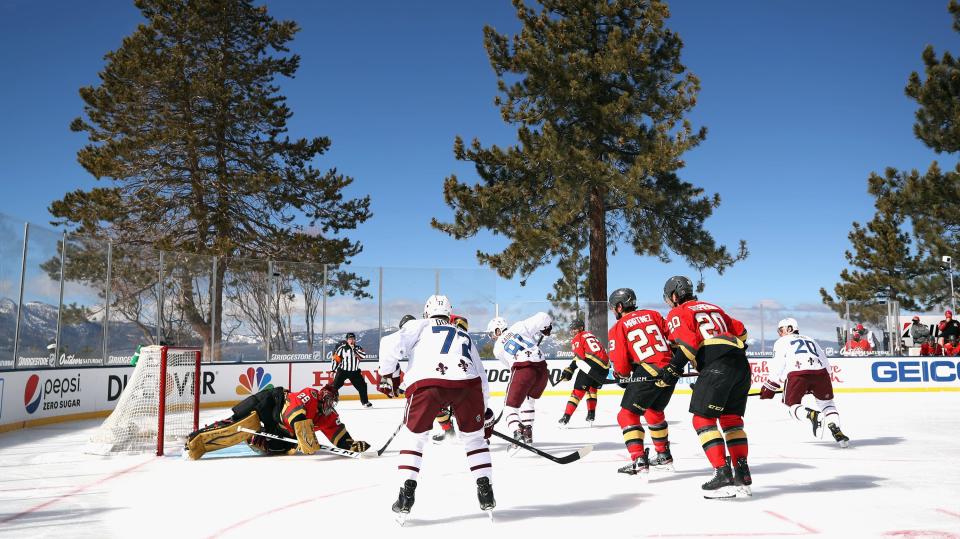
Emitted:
pixel 900 477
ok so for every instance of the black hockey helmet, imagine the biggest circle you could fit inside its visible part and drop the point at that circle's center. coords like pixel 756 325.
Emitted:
pixel 625 297
pixel 406 318
pixel 577 326
pixel 679 285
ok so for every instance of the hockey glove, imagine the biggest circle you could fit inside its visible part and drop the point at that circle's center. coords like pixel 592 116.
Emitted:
pixel 387 387
pixel 359 446
pixel 669 376
pixel 769 388
pixel 567 373
pixel 488 422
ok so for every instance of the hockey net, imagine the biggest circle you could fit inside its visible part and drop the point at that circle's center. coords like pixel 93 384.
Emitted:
pixel 159 407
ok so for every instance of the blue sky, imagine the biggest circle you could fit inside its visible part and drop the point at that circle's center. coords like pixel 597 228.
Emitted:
pixel 802 101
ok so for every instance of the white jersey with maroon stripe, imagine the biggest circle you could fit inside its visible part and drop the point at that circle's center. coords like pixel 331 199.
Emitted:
pixel 520 344
pixel 439 354
pixel 796 352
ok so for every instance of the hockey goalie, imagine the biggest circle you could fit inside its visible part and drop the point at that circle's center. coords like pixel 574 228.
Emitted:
pixel 278 412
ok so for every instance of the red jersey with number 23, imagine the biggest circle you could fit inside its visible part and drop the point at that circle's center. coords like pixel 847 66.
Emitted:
pixel 638 336
pixel 693 322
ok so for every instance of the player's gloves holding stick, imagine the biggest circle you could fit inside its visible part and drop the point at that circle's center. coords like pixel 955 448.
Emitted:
pixel 568 372
pixel 488 422
pixel 666 376
pixel 359 446
pixel 769 388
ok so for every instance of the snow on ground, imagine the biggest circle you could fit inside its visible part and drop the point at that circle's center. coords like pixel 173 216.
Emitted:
pixel 900 477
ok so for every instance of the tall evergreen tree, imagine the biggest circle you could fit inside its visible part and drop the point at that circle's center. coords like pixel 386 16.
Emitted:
pixel 930 202
pixel 599 95
pixel 188 126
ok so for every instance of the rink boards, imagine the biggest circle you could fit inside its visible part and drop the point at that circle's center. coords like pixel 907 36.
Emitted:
pixel 29 398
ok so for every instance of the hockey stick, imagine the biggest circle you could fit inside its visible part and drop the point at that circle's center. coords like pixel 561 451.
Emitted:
pixel 633 379
pixel 325 448
pixel 566 459
pixel 390 439
pixel 756 394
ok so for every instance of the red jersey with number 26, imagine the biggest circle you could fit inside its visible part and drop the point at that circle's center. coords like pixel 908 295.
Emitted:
pixel 638 336
pixel 695 321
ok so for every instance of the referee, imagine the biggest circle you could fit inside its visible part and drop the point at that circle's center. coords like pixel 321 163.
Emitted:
pixel 346 363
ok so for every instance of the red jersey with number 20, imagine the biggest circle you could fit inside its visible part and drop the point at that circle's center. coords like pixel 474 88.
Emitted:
pixel 695 321
pixel 638 336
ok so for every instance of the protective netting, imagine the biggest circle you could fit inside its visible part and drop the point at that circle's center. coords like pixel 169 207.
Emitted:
pixel 134 425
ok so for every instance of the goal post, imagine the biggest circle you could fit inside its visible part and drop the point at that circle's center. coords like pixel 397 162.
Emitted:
pixel 160 404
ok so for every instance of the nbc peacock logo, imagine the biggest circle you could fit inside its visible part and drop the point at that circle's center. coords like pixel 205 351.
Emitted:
pixel 32 394
pixel 254 381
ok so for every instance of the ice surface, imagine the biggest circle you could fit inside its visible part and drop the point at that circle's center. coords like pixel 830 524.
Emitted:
pixel 901 476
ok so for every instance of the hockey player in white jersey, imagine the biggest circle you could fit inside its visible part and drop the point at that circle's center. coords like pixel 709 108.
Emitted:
pixel 519 349
pixel 443 369
pixel 801 367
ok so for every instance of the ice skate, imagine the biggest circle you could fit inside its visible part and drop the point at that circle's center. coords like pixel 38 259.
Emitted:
pixel 741 478
pixel 485 495
pixel 404 501
pixel 564 419
pixel 639 466
pixel 663 462
pixel 839 436
pixel 591 417
pixel 721 486
pixel 518 436
pixel 814 417
pixel 368 405
pixel 528 434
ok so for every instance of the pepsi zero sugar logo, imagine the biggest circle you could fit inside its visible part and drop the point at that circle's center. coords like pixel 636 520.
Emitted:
pixel 54 393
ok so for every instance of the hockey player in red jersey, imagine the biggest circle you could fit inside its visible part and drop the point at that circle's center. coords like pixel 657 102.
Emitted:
pixel 592 360
pixel 703 334
pixel 278 412
pixel 638 349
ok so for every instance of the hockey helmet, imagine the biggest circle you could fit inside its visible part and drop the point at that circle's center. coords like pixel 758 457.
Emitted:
pixel 437 305
pixel 788 323
pixel 406 318
pixel 577 326
pixel 497 326
pixel 626 298
pixel 679 285
pixel 460 322
pixel 327 398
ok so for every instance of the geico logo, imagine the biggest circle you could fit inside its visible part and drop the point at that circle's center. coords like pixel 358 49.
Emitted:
pixel 915 371
pixel 61 386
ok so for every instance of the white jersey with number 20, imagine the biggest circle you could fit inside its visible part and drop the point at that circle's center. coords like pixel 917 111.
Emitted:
pixel 795 352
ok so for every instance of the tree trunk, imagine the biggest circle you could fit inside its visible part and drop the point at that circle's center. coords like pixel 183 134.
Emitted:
pixel 597 280
pixel 217 301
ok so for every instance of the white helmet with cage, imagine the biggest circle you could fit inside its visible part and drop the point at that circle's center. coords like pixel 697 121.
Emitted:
pixel 437 305
pixel 497 324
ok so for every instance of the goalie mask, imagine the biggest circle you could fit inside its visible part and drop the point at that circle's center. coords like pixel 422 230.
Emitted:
pixel 327 398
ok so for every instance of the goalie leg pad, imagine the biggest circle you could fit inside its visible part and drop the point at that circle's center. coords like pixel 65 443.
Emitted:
pixel 221 435
pixel 306 438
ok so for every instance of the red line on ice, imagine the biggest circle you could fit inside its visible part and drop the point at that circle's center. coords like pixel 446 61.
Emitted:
pixel 74 491
pixel 951 513
pixel 240 523
pixel 781 517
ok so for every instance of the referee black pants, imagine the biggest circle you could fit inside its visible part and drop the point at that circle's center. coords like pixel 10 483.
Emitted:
pixel 356 378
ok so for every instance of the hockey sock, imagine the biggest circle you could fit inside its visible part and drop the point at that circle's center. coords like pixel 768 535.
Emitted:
pixel 829 412
pixel 736 438
pixel 591 399
pixel 527 412
pixel 478 454
pixel 657 422
pixel 411 455
pixel 512 416
pixel 574 400
pixel 711 440
pixel 632 432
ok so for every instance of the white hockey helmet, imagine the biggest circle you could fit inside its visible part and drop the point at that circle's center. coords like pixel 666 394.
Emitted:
pixel 437 306
pixel 788 322
pixel 495 324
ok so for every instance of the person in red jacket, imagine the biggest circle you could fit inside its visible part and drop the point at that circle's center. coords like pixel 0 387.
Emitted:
pixel 278 412
pixel 638 348
pixel 592 360
pixel 704 334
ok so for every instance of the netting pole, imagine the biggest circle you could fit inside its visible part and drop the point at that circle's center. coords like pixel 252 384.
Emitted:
pixel 380 306
pixel 106 304
pixel 162 405
pixel 63 262
pixel 196 389
pixel 323 321
pixel 23 272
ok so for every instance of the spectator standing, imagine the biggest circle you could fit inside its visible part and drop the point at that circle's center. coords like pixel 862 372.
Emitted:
pixel 949 328
pixel 346 364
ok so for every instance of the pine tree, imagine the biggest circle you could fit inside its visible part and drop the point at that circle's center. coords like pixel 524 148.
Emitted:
pixel 598 94
pixel 189 128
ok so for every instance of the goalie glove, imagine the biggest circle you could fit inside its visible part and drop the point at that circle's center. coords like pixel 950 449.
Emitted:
pixel 769 388
pixel 359 446
pixel 306 438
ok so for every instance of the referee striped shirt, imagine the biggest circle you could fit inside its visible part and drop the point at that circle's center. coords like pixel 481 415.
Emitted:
pixel 350 357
